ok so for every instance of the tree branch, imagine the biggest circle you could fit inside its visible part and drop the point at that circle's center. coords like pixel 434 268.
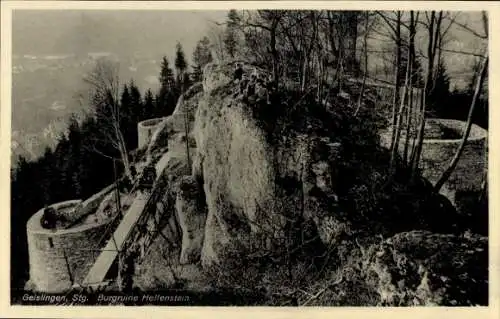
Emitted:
pixel 451 167
pixel 380 14
pixel 466 28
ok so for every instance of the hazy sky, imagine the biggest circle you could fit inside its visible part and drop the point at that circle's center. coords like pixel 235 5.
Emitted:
pixel 39 32
pixel 155 33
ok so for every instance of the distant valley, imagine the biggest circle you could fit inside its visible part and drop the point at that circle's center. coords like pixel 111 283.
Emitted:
pixel 53 49
pixel 47 90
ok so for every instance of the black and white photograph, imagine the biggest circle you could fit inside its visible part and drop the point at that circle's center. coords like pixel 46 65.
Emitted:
pixel 308 157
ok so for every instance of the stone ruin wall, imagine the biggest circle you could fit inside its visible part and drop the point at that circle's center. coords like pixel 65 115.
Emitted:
pixel 438 153
pixel 47 249
pixel 146 129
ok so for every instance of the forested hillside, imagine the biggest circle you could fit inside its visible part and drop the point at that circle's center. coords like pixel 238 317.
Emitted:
pixel 81 163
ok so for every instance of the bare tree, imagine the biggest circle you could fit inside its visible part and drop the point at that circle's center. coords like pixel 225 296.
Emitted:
pixel 299 37
pixel 399 115
pixel 395 34
pixel 104 97
pixel 411 58
pixel 433 30
pixel 272 18
pixel 449 170
pixel 342 32
pixel 365 62
pixel 479 84
pixel 436 34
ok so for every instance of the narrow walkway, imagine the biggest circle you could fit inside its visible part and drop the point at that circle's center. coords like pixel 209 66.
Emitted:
pixel 101 266
pixel 109 253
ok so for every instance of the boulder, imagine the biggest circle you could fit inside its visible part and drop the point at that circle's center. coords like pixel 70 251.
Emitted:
pixel 422 268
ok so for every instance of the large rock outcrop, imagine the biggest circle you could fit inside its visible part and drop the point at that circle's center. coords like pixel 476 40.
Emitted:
pixel 250 175
pixel 235 163
pixel 263 164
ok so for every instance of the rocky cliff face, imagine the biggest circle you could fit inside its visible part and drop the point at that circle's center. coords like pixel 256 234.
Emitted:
pixel 264 174
pixel 235 163
pixel 191 215
pixel 263 164
pixel 259 168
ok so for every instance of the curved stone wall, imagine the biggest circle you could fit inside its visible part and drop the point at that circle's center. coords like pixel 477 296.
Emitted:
pixel 437 154
pixel 48 247
pixel 145 130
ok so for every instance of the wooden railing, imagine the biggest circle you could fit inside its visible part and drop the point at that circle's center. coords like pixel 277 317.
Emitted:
pixel 152 218
pixel 143 231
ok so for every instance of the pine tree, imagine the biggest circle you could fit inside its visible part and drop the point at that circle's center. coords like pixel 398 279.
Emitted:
pixel 167 79
pixel 135 97
pixel 48 175
pixel 98 169
pixel 231 37
pixel 149 105
pixel 159 105
pixel 183 79
pixel 167 96
pixel 62 188
pixel 74 158
pixel 180 65
pixel 125 98
pixel 440 93
pixel 476 69
pixel 104 85
pixel 201 57
pixel 134 115
pixel 25 191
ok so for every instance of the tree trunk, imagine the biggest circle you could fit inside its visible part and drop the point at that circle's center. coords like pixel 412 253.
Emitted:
pixel 331 35
pixel 430 56
pixel 319 78
pixel 122 148
pixel 399 116
pixel 340 67
pixel 365 71
pixel 304 74
pixel 451 167
pixel 397 83
pixel 409 114
pixel 437 48
pixel 274 52
pixel 415 158
pixel 351 36
pixel 424 100
pixel 340 54
pixel 411 57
